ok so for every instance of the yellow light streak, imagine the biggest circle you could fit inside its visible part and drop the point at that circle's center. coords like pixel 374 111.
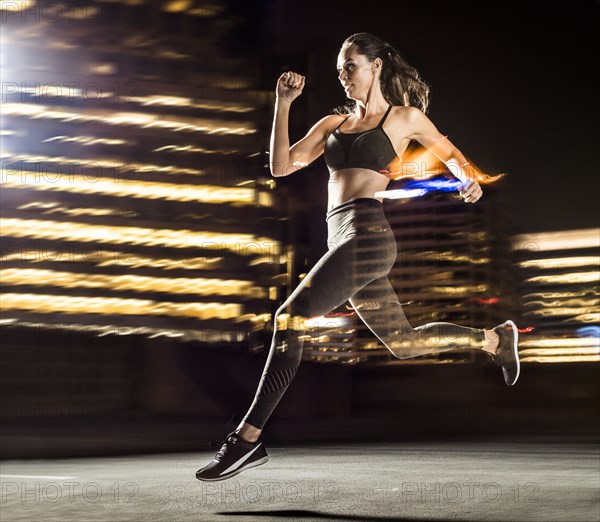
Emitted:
pixel 26 179
pixel 565 303
pixel 103 330
pixel 177 6
pixel 266 260
pixel 561 295
pixel 445 255
pixel 560 311
pixel 480 235
pixel 143 120
pixel 172 55
pixel 206 9
pixel 87 140
pixel 191 148
pixel 178 101
pixel 562 240
pixel 102 258
pixel 458 290
pixel 564 359
pixel 60 91
pixel 560 351
pixel 564 342
pixel 21 5
pixel 94 163
pixel 561 262
pixel 242 244
pixel 119 283
pixel 60 44
pixel 55 208
pixel 573 277
pixel 585 318
pixel 45 303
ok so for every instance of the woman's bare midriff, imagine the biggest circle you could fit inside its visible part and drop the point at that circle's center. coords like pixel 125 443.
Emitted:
pixel 347 184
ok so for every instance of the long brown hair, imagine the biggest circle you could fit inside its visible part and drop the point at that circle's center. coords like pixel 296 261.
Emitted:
pixel 400 83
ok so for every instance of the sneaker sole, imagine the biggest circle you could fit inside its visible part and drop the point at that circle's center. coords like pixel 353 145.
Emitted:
pixel 233 473
pixel 515 349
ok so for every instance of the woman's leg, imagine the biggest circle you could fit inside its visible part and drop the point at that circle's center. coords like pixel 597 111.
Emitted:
pixel 378 306
pixel 329 284
pixel 361 248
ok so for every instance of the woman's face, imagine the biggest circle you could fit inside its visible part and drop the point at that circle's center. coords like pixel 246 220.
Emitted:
pixel 355 72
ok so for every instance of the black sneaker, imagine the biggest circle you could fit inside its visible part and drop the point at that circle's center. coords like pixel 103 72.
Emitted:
pixel 235 456
pixel 507 353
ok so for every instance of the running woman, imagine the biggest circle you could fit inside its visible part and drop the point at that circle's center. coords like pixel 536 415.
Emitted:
pixel 360 149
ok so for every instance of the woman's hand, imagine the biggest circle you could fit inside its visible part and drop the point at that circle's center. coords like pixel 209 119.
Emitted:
pixel 470 191
pixel 289 86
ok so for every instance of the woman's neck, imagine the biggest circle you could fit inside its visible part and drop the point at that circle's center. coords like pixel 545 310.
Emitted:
pixel 374 104
pixel 363 112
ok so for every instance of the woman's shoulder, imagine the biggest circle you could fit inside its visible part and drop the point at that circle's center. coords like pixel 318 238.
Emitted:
pixel 326 125
pixel 330 122
pixel 406 111
pixel 335 116
pixel 408 116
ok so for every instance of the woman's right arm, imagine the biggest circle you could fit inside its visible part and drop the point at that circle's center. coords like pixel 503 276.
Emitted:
pixel 283 159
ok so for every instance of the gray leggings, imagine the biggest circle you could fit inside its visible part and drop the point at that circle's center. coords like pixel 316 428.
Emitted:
pixel 361 252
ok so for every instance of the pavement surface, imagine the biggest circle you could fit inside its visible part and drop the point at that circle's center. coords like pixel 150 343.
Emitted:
pixel 503 479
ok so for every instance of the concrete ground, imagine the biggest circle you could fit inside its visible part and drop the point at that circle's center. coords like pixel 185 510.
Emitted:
pixel 503 479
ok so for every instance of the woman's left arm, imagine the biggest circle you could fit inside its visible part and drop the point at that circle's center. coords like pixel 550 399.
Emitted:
pixel 422 129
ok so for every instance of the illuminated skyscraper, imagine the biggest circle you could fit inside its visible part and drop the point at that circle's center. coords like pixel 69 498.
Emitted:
pixel 134 198
pixel 560 296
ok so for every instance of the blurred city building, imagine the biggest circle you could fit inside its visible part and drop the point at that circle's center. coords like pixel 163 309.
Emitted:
pixel 560 295
pixel 136 206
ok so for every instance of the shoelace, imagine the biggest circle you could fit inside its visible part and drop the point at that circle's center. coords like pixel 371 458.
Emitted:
pixel 224 447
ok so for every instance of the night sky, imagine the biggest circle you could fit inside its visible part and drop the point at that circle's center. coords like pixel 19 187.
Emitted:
pixel 511 84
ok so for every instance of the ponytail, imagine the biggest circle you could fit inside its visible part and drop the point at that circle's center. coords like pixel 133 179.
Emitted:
pixel 401 83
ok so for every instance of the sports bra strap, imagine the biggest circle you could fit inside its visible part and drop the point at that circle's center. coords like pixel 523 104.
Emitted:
pixel 342 122
pixel 385 116
pixel 380 123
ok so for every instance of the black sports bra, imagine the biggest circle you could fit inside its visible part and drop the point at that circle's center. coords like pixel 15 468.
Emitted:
pixel 370 149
